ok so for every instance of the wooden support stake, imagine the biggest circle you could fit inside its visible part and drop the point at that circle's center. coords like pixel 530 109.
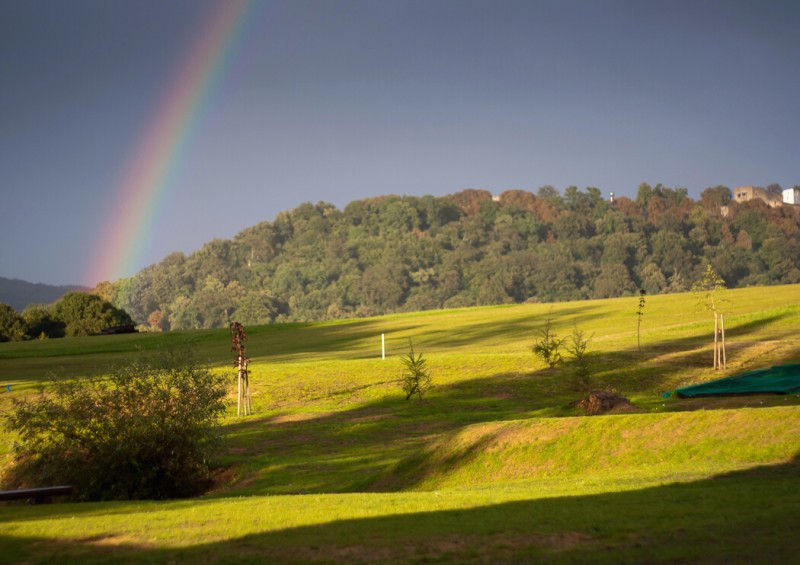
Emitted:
pixel 246 389
pixel 239 389
pixel 716 341
pixel 722 327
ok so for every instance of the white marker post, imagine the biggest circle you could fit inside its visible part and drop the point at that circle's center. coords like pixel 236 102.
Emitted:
pixel 383 347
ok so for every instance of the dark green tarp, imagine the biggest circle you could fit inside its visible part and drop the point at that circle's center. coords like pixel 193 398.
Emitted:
pixel 781 379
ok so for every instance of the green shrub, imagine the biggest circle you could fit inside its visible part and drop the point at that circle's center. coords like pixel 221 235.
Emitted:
pixel 144 431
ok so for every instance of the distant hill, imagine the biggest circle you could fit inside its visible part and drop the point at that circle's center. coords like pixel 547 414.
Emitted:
pixel 19 294
pixel 406 253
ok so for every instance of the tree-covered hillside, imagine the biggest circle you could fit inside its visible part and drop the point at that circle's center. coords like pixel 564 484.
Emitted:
pixel 393 253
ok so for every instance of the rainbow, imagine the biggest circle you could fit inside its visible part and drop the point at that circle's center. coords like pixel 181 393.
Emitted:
pixel 148 175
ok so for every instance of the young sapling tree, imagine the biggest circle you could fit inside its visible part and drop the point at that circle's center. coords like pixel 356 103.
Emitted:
pixel 548 344
pixel 639 316
pixel 416 376
pixel 577 345
pixel 711 295
pixel 240 362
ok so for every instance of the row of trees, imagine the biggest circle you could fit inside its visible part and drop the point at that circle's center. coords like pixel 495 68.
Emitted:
pixel 75 313
pixel 394 253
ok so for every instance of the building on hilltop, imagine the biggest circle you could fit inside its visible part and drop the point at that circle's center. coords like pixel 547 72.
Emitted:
pixel 747 193
pixel 792 196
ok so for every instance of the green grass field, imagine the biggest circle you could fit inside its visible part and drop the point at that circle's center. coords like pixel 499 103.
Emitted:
pixel 495 465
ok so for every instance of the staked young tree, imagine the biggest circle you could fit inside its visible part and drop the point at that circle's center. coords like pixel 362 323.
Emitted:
pixel 711 295
pixel 639 316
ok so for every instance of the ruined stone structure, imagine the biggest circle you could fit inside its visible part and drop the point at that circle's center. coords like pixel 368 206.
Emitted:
pixel 747 193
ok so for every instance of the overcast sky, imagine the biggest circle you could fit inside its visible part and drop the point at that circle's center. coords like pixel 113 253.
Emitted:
pixel 339 100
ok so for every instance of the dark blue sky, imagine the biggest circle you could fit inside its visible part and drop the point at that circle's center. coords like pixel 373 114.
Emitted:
pixel 338 100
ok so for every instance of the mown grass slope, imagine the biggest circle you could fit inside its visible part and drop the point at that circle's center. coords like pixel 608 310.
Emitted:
pixel 495 465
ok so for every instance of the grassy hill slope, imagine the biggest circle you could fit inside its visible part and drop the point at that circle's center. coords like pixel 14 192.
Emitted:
pixel 495 465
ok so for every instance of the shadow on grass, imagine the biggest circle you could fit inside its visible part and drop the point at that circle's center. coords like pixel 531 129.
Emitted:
pixel 741 517
pixel 522 325
pixel 353 449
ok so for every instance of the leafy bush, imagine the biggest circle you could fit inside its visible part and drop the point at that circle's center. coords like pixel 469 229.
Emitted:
pixel 145 431
pixel 416 377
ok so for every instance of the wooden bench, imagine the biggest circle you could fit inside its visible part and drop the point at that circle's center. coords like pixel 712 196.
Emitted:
pixel 37 495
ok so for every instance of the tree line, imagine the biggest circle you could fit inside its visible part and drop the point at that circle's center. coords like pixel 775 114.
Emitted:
pixel 74 314
pixel 405 253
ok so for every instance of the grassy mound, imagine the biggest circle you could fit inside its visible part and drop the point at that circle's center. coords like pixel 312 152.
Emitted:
pixel 673 446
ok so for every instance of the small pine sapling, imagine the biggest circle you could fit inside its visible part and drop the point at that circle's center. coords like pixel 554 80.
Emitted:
pixel 577 345
pixel 548 345
pixel 416 376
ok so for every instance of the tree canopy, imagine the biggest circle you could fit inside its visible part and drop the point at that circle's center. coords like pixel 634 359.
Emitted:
pixel 76 313
pixel 401 253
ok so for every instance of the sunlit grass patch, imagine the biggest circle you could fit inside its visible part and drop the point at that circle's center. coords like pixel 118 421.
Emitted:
pixel 495 464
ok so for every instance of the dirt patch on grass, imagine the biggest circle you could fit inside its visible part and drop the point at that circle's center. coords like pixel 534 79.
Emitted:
pixel 112 541
pixel 453 547
pixel 300 417
pixel 626 409
pixel 221 477
pixel 369 418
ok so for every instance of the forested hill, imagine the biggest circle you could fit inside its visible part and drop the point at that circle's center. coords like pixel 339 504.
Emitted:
pixel 391 254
